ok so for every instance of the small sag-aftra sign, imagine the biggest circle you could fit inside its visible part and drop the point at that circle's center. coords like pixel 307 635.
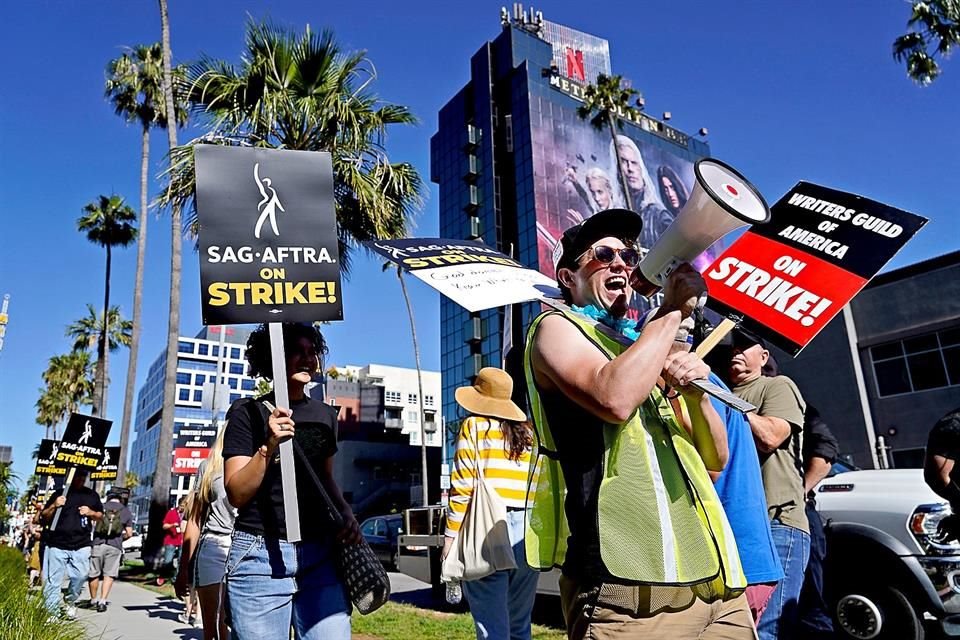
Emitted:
pixel 788 278
pixel 83 442
pixel 108 468
pixel 268 236
pixel 47 459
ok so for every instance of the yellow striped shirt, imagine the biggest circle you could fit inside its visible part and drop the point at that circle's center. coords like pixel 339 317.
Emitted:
pixel 508 477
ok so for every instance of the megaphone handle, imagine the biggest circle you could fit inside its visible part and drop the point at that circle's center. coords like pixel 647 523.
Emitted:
pixel 726 326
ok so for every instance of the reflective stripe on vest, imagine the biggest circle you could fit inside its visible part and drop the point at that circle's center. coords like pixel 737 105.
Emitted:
pixel 677 533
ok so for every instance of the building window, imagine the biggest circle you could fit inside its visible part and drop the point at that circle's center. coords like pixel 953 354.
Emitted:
pixel 412 417
pixel 197 395
pixel 203 349
pixel 411 398
pixel 234 397
pixel 183 378
pixel 427 401
pixel 199 379
pixel 184 395
pixel 920 363
pixel 216 351
pixel 184 347
pixel 236 368
pixel 392 396
pixel 233 383
pixel 235 353
pixel 247 384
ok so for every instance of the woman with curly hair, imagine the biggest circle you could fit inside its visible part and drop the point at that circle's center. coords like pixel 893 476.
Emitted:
pixel 274 584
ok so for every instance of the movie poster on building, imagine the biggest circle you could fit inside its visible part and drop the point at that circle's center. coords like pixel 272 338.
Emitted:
pixel 790 277
pixel 471 274
pixel 83 441
pixel 268 236
pixel 576 173
pixel 109 467
pixel 47 459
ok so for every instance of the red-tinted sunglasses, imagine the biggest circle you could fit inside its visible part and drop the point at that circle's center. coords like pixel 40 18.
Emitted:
pixel 605 255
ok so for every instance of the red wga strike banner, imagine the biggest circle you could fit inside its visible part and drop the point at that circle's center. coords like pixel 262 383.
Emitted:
pixel 187 460
pixel 788 278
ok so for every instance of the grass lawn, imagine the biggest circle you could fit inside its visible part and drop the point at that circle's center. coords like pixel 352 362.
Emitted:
pixel 396 621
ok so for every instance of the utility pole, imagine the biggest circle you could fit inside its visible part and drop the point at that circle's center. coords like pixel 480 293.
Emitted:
pixel 3 318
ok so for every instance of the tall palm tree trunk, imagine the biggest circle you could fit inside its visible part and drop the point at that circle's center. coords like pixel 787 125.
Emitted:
pixel 131 384
pixel 624 185
pixel 160 501
pixel 100 383
pixel 416 355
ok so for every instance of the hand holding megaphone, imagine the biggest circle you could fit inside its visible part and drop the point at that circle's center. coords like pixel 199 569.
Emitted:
pixel 722 201
pixel 683 289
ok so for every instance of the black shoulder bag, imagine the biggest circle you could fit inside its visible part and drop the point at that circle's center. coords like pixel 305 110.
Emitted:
pixel 367 582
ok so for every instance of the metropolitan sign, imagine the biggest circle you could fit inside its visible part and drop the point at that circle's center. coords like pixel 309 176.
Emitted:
pixel 268 236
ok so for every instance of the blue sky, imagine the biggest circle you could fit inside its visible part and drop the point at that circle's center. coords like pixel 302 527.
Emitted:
pixel 789 91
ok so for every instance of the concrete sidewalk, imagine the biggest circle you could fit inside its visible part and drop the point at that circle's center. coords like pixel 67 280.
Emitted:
pixel 135 613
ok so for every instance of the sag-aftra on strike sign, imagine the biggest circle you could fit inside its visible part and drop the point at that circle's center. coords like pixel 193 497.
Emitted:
pixel 788 278
pixel 268 236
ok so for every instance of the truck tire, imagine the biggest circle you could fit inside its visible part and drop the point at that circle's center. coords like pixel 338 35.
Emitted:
pixel 876 613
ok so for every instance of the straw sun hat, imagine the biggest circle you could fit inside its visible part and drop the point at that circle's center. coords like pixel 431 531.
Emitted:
pixel 490 396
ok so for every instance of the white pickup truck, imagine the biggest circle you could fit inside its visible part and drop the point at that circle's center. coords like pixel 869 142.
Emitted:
pixel 886 575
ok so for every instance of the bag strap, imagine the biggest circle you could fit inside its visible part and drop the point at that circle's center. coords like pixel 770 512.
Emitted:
pixel 476 447
pixel 332 512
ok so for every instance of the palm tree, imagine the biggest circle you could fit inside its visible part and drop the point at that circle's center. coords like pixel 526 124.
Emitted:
pixel 68 385
pixel 932 23
pixel 416 355
pixel 91 330
pixel 302 92
pixel 293 92
pixel 134 86
pixel 160 498
pixel 107 222
pixel 130 480
pixel 602 104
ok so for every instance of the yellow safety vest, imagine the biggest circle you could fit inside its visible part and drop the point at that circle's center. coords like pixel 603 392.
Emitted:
pixel 660 520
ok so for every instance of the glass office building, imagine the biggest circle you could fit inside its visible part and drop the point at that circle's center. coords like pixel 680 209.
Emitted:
pixel 516 165
pixel 194 425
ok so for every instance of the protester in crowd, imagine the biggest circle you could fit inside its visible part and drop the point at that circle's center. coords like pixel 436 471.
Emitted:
pixel 641 537
pixel 777 425
pixel 673 193
pixel 68 546
pixel 820 450
pixel 273 583
pixel 494 441
pixel 940 472
pixel 111 530
pixel 172 541
pixel 34 564
pixel 740 488
pixel 206 543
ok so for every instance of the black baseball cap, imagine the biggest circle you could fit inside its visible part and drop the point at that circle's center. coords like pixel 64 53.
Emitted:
pixel 744 338
pixel 615 223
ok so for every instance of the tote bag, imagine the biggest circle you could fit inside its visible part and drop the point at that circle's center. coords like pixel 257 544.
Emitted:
pixel 483 544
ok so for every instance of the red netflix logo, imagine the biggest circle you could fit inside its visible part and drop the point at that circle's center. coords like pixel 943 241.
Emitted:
pixel 575 69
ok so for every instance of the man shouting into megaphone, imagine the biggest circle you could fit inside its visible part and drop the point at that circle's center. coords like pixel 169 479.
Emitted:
pixel 641 536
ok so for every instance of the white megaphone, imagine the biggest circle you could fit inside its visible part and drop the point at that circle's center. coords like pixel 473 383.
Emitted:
pixel 722 200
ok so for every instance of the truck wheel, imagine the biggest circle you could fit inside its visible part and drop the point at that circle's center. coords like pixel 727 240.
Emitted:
pixel 877 614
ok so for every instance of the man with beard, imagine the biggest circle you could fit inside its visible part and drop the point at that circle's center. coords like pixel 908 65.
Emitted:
pixel 624 503
pixel 644 197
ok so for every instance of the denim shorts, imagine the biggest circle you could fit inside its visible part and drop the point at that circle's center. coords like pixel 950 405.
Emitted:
pixel 210 560
pixel 273 585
